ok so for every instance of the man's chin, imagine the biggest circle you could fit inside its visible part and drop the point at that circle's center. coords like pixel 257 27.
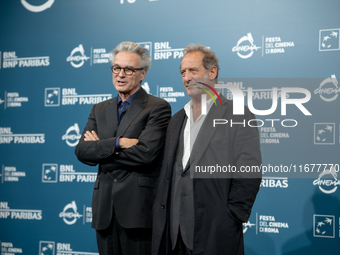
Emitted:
pixel 121 89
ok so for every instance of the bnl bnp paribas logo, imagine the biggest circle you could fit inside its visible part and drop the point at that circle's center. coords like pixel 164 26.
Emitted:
pixel 49 247
pixel 162 50
pixel 324 226
pixel 329 39
pixel 11 60
pixel 46 248
pixel 67 173
pixel 37 8
pixel 324 133
pixel 55 97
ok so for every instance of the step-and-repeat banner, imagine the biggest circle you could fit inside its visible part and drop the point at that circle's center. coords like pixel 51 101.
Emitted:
pixel 284 56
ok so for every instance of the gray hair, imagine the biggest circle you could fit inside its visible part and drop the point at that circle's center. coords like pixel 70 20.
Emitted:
pixel 209 58
pixel 145 61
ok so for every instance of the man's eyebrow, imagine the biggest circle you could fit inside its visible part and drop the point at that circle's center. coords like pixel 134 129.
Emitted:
pixel 123 67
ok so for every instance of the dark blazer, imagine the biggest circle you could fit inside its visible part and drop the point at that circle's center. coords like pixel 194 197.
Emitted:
pixel 126 179
pixel 221 205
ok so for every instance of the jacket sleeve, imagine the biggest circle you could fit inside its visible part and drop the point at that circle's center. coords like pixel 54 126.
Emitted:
pixel 150 142
pixel 94 152
pixel 245 185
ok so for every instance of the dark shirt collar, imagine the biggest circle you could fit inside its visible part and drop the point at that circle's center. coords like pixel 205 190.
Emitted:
pixel 129 100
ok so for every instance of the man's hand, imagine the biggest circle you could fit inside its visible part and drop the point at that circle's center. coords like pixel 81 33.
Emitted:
pixel 125 143
pixel 91 136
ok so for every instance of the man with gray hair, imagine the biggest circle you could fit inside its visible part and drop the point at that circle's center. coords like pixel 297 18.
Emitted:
pixel 125 137
pixel 201 212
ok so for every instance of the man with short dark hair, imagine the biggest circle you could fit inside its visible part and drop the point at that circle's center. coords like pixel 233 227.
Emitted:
pixel 125 137
pixel 200 212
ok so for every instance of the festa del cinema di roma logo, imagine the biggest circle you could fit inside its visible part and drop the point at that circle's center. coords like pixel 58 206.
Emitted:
pixel 70 213
pixel 77 60
pixel 37 8
pixel 242 49
pixel 328 182
pixel 72 135
pixel 328 89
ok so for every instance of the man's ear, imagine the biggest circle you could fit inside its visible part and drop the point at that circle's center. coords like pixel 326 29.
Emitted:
pixel 213 73
pixel 142 76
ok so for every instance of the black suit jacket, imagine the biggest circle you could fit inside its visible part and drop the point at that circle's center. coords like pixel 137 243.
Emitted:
pixel 126 179
pixel 220 204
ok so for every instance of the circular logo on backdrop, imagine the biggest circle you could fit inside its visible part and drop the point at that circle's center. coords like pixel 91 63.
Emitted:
pixel 328 89
pixel 39 8
pixel 242 48
pixel 77 60
pixel 70 214
pixel 72 135
pixel 327 181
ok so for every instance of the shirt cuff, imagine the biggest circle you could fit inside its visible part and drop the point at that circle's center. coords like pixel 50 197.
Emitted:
pixel 117 146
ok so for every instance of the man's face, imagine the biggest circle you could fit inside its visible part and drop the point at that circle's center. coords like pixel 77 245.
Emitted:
pixel 192 70
pixel 127 84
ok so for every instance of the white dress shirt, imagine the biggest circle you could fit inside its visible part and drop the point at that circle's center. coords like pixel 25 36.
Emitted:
pixel 192 128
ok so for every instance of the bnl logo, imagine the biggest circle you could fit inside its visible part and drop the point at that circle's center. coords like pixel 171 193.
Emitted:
pixel 52 97
pixel 329 39
pixel 324 226
pixel 46 248
pixel 49 173
pixel 324 133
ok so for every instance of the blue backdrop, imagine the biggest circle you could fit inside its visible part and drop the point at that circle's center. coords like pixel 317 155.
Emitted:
pixel 54 66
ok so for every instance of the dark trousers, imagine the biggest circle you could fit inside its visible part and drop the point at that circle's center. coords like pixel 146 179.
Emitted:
pixel 116 240
pixel 181 248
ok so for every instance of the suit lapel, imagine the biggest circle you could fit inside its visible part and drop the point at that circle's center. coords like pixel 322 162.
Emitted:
pixel 111 117
pixel 137 105
pixel 207 131
pixel 173 137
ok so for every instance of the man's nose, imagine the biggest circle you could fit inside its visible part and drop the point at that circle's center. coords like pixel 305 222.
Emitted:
pixel 122 72
pixel 187 77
